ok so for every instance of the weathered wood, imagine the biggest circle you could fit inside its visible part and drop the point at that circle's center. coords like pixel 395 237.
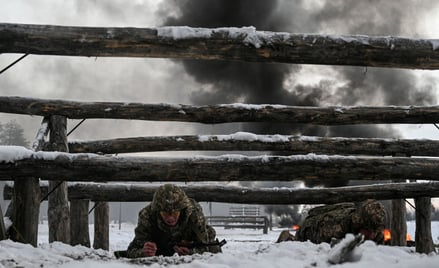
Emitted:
pixel 398 228
pixel 423 239
pixel 3 235
pixel 101 225
pixel 87 167
pixel 244 195
pixel 252 142
pixel 241 44
pixel 79 222
pixel 27 207
pixel 226 113
pixel 39 142
pixel 58 212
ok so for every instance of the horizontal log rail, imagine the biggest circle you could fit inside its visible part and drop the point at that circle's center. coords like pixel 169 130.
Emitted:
pixel 225 113
pixel 242 141
pixel 91 167
pixel 238 44
pixel 115 192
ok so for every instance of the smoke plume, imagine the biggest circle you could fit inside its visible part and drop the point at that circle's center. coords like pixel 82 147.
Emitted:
pixel 227 82
pixel 262 83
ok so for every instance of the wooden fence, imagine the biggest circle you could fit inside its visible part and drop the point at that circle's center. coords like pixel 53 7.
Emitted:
pixel 311 158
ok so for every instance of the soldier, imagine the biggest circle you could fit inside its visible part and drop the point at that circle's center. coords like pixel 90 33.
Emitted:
pixel 172 223
pixel 335 221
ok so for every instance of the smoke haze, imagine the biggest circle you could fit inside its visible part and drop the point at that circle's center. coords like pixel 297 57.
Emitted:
pixel 228 82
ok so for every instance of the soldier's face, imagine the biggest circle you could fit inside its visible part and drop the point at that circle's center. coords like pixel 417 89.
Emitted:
pixel 170 218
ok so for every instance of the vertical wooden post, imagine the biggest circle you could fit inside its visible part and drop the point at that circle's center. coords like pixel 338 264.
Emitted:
pixel 265 230
pixel 26 209
pixel 398 228
pixel 79 232
pixel 423 239
pixel 271 221
pixel 2 226
pixel 102 226
pixel 58 208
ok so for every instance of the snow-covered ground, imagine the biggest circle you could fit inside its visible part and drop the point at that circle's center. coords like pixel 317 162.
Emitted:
pixel 244 248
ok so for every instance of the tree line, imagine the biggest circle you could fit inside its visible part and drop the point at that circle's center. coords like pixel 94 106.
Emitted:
pixel 11 133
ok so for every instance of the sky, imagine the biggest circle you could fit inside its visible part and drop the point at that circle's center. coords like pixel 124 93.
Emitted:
pixel 150 80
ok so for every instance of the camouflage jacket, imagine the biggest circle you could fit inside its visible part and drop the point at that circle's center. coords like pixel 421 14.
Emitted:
pixel 191 226
pixel 335 221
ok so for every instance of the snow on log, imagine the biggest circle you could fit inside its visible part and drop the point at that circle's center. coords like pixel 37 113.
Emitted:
pixel 238 44
pixel 19 162
pixel 223 113
pixel 244 141
pixel 118 192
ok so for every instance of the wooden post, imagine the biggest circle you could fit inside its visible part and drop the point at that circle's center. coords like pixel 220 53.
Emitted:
pixel 26 211
pixel 423 239
pixel 79 232
pixel 58 209
pixel 102 225
pixel 24 208
pixel 266 224
pixel 398 228
pixel 271 221
pixel 2 226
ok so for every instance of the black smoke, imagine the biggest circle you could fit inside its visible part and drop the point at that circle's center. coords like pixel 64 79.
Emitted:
pixel 229 82
pixel 262 83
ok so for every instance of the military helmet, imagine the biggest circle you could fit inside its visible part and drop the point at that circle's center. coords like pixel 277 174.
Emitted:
pixel 371 214
pixel 170 197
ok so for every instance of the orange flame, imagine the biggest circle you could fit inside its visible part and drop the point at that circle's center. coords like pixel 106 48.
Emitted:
pixel 388 236
pixel 296 227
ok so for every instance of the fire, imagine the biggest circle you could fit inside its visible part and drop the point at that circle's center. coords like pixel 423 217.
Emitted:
pixel 296 227
pixel 388 236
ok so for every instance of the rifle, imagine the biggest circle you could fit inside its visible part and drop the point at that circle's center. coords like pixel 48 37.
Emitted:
pixel 195 244
pixel 198 244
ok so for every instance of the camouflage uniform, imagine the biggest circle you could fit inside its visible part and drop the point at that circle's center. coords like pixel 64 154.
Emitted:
pixel 335 221
pixel 191 224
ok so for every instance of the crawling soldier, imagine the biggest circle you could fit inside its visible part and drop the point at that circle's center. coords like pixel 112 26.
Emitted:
pixel 171 224
pixel 335 221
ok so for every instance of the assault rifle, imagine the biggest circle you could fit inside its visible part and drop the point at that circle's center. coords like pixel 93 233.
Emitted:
pixel 198 244
pixel 194 244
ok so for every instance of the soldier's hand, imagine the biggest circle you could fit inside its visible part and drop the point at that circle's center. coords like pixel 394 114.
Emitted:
pixel 149 249
pixel 181 249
